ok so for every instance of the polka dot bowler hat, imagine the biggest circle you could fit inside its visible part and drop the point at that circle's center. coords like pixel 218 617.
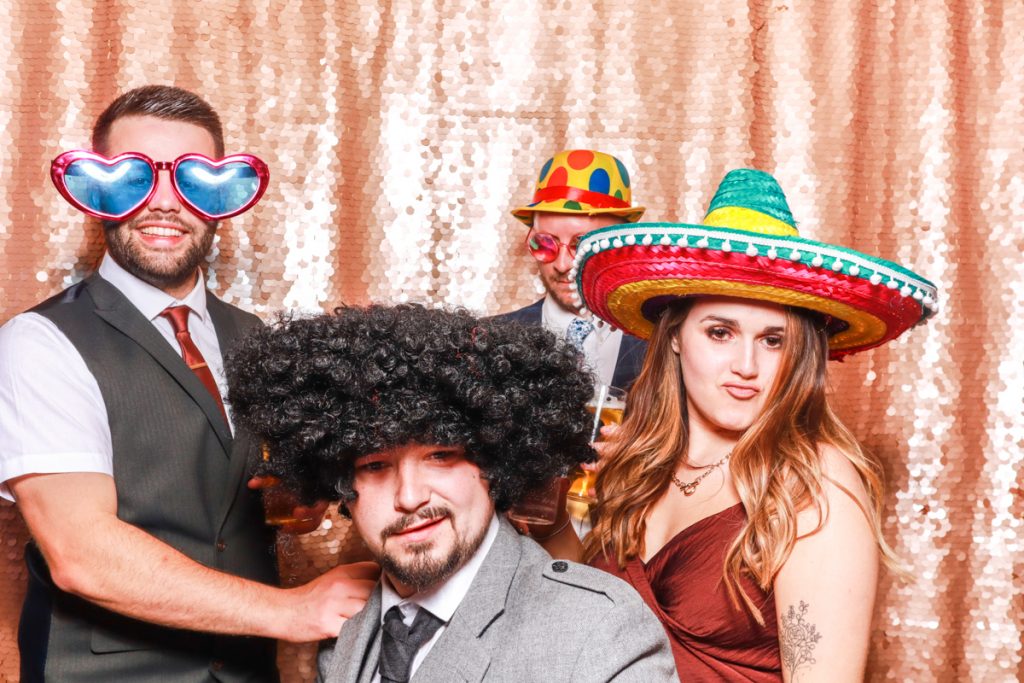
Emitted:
pixel 582 181
pixel 748 247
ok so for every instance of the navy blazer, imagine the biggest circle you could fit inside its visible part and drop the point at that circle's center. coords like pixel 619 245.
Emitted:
pixel 631 351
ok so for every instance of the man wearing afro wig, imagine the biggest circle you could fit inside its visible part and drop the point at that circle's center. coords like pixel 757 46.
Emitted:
pixel 426 425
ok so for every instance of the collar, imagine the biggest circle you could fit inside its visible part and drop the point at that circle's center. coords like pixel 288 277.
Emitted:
pixel 148 299
pixel 556 319
pixel 443 600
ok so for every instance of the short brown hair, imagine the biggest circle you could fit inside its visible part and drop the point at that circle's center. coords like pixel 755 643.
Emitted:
pixel 162 101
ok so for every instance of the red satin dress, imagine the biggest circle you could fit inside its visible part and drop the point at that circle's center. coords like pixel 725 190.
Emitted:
pixel 712 639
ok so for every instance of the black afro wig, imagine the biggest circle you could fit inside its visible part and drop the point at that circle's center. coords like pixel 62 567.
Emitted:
pixel 322 391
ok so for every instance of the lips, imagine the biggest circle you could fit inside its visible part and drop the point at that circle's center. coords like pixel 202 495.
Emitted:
pixel 742 392
pixel 420 530
pixel 161 234
pixel 161 231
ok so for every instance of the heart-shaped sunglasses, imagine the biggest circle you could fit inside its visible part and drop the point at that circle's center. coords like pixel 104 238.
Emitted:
pixel 114 189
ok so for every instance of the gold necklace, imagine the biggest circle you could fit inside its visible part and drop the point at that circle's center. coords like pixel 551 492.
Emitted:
pixel 689 488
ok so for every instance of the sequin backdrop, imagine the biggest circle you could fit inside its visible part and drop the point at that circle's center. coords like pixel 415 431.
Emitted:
pixel 400 132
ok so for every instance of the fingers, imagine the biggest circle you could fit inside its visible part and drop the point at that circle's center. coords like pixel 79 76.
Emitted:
pixel 603 448
pixel 307 518
pixel 257 483
pixel 351 607
pixel 522 527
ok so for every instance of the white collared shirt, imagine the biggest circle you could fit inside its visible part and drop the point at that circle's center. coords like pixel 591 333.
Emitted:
pixel 442 601
pixel 600 347
pixel 52 415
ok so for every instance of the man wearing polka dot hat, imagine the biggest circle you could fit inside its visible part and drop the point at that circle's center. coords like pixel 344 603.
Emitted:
pixel 578 191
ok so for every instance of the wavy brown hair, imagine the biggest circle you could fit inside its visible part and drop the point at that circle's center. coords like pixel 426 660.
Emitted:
pixel 776 467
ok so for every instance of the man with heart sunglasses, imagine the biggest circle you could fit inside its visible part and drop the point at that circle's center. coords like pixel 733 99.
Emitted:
pixel 150 558
pixel 578 191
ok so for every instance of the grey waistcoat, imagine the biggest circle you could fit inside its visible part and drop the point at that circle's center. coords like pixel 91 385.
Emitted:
pixel 180 476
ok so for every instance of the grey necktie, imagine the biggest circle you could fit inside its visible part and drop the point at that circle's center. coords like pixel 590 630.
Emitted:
pixel 577 331
pixel 400 643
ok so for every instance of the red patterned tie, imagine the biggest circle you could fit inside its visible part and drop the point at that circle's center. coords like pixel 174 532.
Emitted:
pixel 178 316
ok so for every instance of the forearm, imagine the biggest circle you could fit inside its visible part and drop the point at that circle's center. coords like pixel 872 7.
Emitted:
pixel 93 554
pixel 126 570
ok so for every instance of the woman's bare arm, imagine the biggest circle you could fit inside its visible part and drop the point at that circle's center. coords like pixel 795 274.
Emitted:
pixel 825 593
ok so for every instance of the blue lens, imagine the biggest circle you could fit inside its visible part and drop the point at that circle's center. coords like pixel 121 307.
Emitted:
pixel 217 191
pixel 116 190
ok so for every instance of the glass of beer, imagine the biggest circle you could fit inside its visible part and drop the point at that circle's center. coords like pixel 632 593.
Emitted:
pixel 607 407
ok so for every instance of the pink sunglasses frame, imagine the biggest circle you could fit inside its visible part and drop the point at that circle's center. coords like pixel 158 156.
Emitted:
pixel 571 247
pixel 60 165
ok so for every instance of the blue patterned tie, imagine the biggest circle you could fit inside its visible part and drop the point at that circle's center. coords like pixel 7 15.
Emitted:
pixel 578 331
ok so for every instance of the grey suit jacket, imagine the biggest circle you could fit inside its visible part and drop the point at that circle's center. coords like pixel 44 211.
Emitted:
pixel 526 618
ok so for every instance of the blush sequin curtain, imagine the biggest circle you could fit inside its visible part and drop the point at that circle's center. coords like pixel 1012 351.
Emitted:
pixel 400 132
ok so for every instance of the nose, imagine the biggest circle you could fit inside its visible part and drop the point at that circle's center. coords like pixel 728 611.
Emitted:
pixel 563 262
pixel 744 363
pixel 412 491
pixel 164 198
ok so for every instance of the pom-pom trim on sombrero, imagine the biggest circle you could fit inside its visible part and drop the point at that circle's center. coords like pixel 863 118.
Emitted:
pixel 626 274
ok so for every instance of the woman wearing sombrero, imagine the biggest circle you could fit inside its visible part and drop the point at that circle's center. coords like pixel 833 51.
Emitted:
pixel 732 498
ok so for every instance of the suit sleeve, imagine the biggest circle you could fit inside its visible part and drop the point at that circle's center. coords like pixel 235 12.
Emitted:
pixel 627 644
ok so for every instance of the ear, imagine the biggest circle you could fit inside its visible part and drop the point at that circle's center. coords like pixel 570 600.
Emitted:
pixel 675 341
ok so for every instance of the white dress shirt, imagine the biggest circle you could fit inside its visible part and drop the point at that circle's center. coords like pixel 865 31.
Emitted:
pixel 600 348
pixel 441 601
pixel 52 414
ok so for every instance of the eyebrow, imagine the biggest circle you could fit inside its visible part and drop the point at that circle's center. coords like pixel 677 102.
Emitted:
pixel 775 329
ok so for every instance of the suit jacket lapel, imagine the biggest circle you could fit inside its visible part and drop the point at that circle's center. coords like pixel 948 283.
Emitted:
pixel 629 361
pixel 358 646
pixel 114 308
pixel 533 314
pixel 459 654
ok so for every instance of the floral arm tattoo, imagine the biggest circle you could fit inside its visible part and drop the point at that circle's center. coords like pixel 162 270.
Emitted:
pixel 797 639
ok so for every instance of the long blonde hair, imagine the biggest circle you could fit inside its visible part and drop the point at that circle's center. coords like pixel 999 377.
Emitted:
pixel 776 467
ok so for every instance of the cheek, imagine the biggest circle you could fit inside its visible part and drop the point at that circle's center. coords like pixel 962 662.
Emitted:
pixel 367 517
pixel 770 370
pixel 697 367
pixel 547 271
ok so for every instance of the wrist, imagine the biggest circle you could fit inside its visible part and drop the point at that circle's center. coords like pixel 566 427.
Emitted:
pixel 559 528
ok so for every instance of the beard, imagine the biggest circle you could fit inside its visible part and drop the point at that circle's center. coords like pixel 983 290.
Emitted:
pixel 161 271
pixel 552 287
pixel 422 570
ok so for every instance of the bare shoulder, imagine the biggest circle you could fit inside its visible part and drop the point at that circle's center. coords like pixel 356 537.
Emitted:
pixel 845 496
pixel 842 481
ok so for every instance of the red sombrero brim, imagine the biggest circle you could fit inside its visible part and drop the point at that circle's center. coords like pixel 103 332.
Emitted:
pixel 628 284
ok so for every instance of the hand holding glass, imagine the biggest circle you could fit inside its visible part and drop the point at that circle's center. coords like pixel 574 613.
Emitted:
pixel 607 407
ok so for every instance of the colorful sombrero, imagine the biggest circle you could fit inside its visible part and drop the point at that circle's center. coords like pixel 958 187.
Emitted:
pixel 748 246
pixel 582 181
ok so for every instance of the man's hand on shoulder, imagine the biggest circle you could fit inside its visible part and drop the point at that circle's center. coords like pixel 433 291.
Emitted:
pixel 93 554
pixel 323 605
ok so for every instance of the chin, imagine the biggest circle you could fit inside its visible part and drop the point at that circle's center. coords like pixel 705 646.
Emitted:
pixel 563 301
pixel 733 423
